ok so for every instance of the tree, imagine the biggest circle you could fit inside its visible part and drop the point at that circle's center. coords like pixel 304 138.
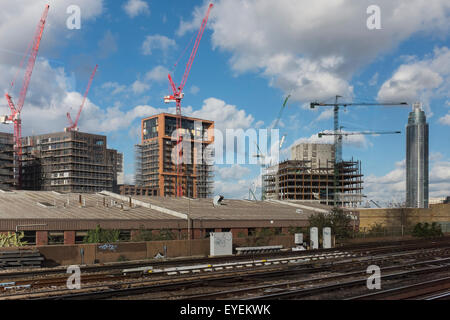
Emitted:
pixel 337 220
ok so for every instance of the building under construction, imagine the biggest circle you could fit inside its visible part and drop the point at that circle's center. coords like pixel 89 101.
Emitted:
pixel 156 169
pixel 7 181
pixel 69 162
pixel 311 177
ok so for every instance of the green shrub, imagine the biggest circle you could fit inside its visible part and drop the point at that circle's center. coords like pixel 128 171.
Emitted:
pixel 337 220
pixel 99 235
pixel 425 230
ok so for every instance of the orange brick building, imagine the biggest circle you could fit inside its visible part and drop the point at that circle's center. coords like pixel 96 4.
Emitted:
pixel 155 166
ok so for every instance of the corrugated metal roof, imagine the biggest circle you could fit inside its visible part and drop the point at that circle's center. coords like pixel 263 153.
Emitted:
pixel 64 212
pixel 24 205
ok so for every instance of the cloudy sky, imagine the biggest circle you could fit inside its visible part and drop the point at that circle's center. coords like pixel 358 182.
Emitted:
pixel 253 53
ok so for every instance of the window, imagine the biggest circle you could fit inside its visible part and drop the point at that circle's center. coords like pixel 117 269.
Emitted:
pixel 124 235
pixel 29 237
pixel 56 237
pixel 226 229
pixel 251 231
pixel 207 232
pixel 79 236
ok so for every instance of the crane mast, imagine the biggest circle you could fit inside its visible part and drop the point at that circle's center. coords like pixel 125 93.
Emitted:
pixel 16 109
pixel 74 125
pixel 178 95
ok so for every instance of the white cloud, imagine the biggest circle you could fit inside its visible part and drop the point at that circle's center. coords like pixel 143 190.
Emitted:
pixel 356 141
pixel 22 16
pixel 392 186
pixel 374 80
pixel 312 50
pixel 157 42
pixel 135 7
pixel 239 188
pixel 234 172
pixel 115 87
pixel 445 120
pixel 139 86
pixel 157 74
pixel 226 116
pixel 389 187
pixel 107 45
pixel 194 89
pixel 325 115
pixel 419 80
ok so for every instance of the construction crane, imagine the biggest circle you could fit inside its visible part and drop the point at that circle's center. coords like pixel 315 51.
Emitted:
pixel 336 105
pixel 277 120
pixel 73 126
pixel 177 96
pixel 337 140
pixel 16 109
pixel 339 135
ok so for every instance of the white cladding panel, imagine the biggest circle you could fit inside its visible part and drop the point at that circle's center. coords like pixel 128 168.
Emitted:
pixel 326 238
pixel 220 243
pixel 314 236
pixel 298 238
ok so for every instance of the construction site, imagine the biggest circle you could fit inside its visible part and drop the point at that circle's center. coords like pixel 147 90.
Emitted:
pixel 67 210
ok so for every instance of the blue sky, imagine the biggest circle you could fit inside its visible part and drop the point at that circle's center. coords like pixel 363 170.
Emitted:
pixel 252 54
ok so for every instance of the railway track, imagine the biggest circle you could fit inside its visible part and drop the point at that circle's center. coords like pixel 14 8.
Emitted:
pixel 362 248
pixel 152 284
pixel 436 289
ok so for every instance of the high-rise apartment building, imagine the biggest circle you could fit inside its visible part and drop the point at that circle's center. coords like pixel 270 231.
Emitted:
pixel 69 162
pixel 156 168
pixel 417 159
pixel 7 181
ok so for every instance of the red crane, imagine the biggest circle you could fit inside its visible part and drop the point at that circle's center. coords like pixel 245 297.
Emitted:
pixel 16 109
pixel 73 125
pixel 178 95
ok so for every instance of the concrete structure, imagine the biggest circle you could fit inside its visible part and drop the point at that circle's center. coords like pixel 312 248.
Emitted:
pixel 303 180
pixel 69 162
pixel 7 181
pixel 155 165
pixel 417 159
pixel 317 153
pixel 65 218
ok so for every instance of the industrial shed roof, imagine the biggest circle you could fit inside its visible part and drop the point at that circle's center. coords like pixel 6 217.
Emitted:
pixel 56 211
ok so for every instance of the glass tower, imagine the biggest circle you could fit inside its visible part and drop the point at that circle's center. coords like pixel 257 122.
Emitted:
pixel 417 159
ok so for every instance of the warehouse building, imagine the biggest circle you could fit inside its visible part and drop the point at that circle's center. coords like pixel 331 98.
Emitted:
pixel 49 217
pixel 155 168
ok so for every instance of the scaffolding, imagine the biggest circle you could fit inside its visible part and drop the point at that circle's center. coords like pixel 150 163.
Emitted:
pixel 301 180
pixel 154 164
pixel 69 162
pixel 7 181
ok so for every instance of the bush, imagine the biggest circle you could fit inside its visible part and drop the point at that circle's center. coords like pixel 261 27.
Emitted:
pixel 99 235
pixel 147 235
pixel 426 230
pixel 337 220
